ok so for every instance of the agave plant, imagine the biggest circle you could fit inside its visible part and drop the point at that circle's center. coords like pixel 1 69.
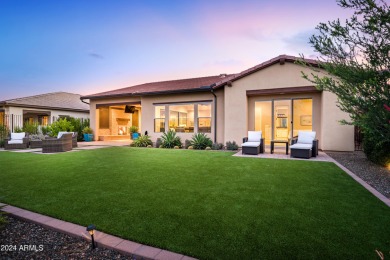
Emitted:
pixel 200 141
pixel 142 141
pixel 170 140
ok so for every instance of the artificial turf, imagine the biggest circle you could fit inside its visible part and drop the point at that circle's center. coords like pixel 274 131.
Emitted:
pixel 205 204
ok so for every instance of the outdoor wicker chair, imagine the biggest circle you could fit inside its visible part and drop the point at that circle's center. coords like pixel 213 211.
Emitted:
pixel 16 141
pixel 253 144
pixel 305 146
pixel 62 144
pixel 74 140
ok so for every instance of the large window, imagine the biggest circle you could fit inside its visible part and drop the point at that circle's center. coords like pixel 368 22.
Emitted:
pixel 181 118
pixel 159 119
pixel 204 118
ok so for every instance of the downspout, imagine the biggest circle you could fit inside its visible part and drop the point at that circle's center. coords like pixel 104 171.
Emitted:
pixel 215 112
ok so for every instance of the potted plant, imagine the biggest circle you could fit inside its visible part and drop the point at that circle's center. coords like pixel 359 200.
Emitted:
pixel 134 132
pixel 88 134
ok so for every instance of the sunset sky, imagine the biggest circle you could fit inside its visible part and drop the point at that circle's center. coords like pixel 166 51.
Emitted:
pixel 87 47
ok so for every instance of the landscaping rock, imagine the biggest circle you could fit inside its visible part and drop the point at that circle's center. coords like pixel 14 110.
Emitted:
pixel 376 176
pixel 25 240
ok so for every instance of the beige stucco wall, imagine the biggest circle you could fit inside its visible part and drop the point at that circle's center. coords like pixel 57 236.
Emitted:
pixel 220 115
pixel 334 136
pixel 239 109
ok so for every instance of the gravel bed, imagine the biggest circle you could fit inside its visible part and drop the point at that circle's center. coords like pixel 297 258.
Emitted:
pixel 25 240
pixel 376 176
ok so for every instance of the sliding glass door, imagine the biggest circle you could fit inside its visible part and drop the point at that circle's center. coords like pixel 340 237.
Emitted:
pixel 281 119
pixel 263 119
pixel 302 115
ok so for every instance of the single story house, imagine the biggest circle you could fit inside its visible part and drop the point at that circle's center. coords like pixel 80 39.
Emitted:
pixel 271 97
pixel 42 109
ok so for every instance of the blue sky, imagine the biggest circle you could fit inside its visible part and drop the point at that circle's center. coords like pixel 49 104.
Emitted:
pixel 87 47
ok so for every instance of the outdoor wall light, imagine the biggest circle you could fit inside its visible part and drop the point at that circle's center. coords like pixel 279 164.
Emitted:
pixel 91 231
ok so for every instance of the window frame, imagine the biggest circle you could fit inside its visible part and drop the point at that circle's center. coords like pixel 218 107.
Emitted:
pixel 196 112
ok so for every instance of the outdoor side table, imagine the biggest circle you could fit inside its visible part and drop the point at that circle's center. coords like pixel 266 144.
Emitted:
pixel 279 142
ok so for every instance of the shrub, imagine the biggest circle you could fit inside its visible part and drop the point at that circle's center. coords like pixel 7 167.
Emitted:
pixel 3 134
pixel 170 140
pixel 45 130
pixel 78 126
pixel 142 141
pixel 232 146
pixel 133 129
pixel 61 125
pixel 18 129
pixel 200 141
pixel 377 149
pixel 187 143
pixel 217 146
pixel 158 143
pixel 87 130
pixel 31 128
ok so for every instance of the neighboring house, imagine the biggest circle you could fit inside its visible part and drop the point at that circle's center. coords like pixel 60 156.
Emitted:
pixel 271 97
pixel 42 109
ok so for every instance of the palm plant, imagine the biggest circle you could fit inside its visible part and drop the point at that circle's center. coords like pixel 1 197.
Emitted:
pixel 170 140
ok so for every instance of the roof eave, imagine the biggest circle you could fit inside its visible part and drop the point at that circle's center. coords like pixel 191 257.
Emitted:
pixel 139 94
pixel 44 107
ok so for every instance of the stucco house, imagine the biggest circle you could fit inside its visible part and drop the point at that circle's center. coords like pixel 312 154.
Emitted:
pixel 42 109
pixel 271 97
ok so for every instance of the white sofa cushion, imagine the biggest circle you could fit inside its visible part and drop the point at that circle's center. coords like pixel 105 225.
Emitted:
pixel 306 137
pixel 60 134
pixel 254 136
pixel 15 141
pixel 17 136
pixel 301 146
pixel 251 144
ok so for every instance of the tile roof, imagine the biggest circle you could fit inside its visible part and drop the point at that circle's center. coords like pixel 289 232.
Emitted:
pixel 192 84
pixel 170 86
pixel 55 100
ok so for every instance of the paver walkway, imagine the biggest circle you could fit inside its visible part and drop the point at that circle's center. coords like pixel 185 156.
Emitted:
pixel 133 249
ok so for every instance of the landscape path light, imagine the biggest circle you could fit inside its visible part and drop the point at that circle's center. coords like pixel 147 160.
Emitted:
pixel 91 230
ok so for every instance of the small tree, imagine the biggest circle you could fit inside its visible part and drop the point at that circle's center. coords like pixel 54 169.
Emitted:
pixel 355 55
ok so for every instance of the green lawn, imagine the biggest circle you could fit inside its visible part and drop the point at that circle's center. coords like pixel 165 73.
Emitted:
pixel 205 204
